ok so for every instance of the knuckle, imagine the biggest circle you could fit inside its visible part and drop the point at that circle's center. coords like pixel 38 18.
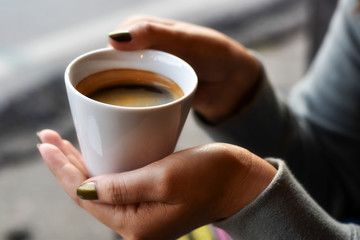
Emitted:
pixel 165 184
pixel 147 28
pixel 116 190
pixel 136 18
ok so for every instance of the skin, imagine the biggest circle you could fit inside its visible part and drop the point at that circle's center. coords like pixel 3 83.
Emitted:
pixel 224 67
pixel 167 198
pixel 190 188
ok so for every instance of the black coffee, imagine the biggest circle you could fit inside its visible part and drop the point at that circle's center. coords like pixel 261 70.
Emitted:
pixel 130 88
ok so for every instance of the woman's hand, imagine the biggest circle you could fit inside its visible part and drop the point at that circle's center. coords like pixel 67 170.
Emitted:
pixel 228 74
pixel 167 198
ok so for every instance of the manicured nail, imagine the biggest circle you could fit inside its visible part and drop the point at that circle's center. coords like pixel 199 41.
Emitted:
pixel 87 191
pixel 120 36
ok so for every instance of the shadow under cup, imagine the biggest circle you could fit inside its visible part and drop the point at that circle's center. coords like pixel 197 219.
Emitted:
pixel 117 139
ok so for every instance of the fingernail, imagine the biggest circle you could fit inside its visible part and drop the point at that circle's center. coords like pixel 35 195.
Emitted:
pixel 120 36
pixel 87 191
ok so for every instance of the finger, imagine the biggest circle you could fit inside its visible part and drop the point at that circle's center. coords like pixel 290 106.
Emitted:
pixel 125 188
pixel 67 174
pixel 154 33
pixel 69 177
pixel 71 149
pixel 141 18
pixel 75 157
pixel 187 41
pixel 147 35
pixel 52 137
pixel 79 164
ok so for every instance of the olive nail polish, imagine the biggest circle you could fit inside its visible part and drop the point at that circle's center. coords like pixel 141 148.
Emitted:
pixel 120 36
pixel 87 191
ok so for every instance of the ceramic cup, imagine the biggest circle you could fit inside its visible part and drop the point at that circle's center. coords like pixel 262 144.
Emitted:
pixel 117 139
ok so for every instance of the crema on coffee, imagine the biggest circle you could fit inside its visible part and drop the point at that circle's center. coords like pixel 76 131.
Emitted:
pixel 130 88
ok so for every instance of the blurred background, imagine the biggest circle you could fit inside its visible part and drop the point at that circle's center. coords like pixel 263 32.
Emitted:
pixel 39 38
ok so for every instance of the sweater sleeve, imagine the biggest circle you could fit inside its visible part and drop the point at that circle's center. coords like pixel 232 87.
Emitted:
pixel 317 132
pixel 284 210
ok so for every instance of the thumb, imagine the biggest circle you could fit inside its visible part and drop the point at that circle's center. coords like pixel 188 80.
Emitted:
pixel 121 188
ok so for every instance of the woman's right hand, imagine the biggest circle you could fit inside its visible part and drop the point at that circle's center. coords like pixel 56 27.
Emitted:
pixel 227 72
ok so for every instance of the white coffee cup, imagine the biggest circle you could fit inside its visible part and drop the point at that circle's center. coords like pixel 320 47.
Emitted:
pixel 117 139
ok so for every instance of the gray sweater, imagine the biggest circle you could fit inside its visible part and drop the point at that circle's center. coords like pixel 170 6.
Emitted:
pixel 317 133
pixel 286 211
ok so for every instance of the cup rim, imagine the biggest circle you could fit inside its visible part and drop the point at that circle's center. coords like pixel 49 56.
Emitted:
pixel 71 87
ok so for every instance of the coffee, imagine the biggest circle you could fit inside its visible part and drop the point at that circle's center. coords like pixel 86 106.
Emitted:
pixel 130 88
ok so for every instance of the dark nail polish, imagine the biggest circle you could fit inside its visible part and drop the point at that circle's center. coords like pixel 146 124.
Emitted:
pixel 87 191
pixel 121 36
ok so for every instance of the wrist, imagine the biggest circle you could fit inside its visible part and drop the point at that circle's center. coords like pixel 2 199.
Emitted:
pixel 253 176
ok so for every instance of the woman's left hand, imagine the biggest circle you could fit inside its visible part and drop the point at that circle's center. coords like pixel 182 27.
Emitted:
pixel 167 198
